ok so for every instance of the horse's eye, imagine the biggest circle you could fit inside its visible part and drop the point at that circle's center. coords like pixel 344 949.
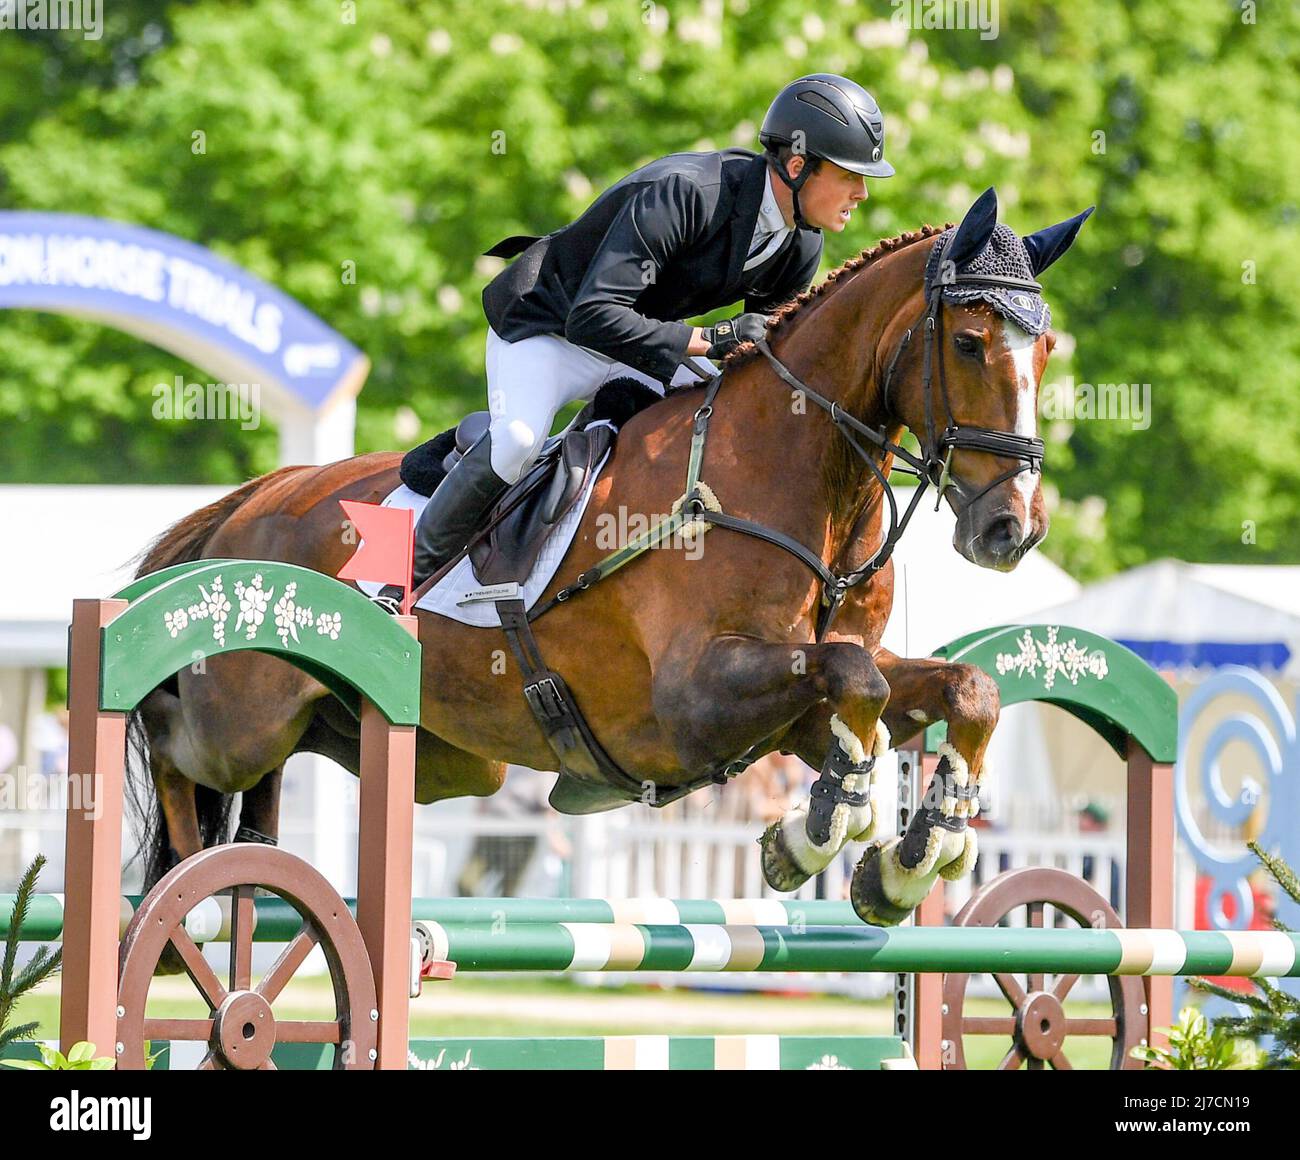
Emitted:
pixel 967 344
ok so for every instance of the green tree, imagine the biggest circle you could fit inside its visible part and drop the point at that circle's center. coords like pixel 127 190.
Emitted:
pixel 408 138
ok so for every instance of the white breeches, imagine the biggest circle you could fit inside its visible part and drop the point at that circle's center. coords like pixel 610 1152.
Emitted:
pixel 530 380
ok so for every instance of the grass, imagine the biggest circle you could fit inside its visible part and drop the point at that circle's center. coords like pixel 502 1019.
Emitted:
pixel 532 1006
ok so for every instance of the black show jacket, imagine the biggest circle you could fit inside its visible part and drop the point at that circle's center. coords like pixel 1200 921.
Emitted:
pixel 667 242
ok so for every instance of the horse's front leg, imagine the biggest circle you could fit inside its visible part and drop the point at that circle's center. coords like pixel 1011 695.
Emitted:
pixel 841 806
pixel 743 690
pixel 895 876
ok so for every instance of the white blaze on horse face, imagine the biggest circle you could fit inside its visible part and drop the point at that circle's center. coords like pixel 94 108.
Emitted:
pixel 1021 346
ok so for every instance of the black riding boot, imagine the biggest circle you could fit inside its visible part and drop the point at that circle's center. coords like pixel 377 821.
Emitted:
pixel 456 509
pixel 452 515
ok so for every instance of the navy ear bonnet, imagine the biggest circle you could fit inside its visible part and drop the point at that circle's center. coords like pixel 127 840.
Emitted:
pixel 1005 255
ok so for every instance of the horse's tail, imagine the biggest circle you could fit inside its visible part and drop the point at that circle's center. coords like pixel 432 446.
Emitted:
pixel 183 542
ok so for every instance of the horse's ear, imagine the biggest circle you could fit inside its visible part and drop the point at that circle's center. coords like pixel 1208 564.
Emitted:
pixel 975 230
pixel 1047 245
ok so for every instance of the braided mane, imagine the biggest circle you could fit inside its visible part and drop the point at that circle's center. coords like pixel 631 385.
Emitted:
pixel 842 481
pixel 836 278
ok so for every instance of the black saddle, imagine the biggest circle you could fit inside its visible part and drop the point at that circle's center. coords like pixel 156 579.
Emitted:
pixel 519 523
pixel 525 516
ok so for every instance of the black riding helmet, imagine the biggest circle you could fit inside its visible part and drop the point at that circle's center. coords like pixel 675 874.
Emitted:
pixel 829 117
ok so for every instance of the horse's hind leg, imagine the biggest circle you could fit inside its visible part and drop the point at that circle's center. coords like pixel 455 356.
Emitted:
pixel 180 817
pixel 177 832
pixel 259 810
pixel 216 730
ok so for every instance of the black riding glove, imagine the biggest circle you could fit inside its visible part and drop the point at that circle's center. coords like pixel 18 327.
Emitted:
pixel 726 336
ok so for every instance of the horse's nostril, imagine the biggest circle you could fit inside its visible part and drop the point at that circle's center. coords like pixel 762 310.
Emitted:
pixel 1003 535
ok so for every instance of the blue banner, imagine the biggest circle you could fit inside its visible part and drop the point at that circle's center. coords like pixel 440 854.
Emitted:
pixel 177 296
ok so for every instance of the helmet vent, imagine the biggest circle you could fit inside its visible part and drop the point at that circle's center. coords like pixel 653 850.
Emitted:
pixel 873 129
pixel 819 102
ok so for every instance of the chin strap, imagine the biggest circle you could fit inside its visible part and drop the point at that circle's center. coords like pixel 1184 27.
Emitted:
pixel 794 184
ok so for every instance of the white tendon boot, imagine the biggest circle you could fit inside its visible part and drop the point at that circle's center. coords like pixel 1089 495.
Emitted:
pixel 840 808
pixel 894 877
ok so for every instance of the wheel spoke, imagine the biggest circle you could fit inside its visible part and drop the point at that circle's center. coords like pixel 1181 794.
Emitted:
pixel 1010 987
pixel 242 920
pixel 1012 1060
pixel 1101 1026
pixel 184 1030
pixel 209 1063
pixel 305 1031
pixel 1063 985
pixel 196 966
pixel 291 958
pixel 1060 1063
pixel 989 1025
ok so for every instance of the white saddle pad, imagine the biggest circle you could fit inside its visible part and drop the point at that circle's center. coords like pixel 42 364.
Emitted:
pixel 447 597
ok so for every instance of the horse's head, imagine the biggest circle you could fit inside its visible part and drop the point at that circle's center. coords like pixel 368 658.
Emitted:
pixel 965 379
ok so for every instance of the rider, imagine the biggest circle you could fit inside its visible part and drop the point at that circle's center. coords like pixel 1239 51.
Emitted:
pixel 603 297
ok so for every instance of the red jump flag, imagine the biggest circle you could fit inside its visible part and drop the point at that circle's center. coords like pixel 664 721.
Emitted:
pixel 384 553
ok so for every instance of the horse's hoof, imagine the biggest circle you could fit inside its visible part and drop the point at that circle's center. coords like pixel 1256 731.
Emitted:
pixel 780 870
pixel 867 892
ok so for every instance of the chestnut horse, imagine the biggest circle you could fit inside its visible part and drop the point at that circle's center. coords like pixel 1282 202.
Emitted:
pixel 682 662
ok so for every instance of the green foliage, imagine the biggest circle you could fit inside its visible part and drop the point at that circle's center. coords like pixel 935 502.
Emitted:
pixel 411 139
pixel 80 1058
pixel 42 965
pixel 1272 1012
pixel 1195 1046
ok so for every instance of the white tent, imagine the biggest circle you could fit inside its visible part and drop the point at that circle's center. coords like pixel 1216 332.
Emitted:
pixel 1184 616
pixel 68 542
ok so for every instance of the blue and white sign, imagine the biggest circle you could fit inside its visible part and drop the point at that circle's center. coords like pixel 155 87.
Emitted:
pixel 180 297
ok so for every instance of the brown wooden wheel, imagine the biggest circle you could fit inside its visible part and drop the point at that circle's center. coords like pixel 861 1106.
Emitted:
pixel 1038 1024
pixel 241 1027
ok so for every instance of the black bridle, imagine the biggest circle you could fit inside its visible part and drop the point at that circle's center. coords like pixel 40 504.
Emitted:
pixel 934 464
